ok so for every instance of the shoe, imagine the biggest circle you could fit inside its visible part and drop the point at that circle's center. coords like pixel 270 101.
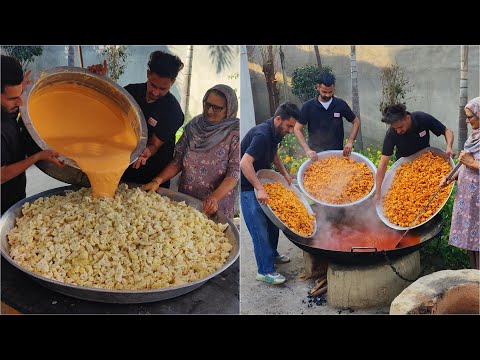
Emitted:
pixel 273 278
pixel 282 259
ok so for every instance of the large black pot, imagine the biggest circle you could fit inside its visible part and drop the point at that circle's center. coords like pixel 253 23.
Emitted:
pixel 427 232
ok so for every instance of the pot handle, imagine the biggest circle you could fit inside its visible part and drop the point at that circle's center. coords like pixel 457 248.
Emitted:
pixel 363 248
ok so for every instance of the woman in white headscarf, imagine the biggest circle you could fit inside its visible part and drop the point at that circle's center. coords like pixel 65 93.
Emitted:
pixel 208 154
pixel 464 230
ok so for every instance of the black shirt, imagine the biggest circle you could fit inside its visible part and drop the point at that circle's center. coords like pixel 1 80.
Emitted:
pixel 260 143
pixel 325 126
pixel 415 139
pixel 164 117
pixel 13 151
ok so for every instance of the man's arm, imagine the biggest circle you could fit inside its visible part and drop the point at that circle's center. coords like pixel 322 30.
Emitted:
pixel 449 139
pixel 382 169
pixel 278 163
pixel 246 165
pixel 8 172
pixel 298 133
pixel 347 150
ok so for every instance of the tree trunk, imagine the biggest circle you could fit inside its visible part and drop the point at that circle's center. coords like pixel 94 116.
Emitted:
pixel 269 72
pixel 462 125
pixel 80 55
pixel 319 59
pixel 355 96
pixel 284 74
pixel 188 78
pixel 71 55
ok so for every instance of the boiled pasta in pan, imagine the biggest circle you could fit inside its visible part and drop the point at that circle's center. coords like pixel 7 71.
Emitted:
pixel 134 241
pixel 289 209
pixel 412 186
pixel 338 180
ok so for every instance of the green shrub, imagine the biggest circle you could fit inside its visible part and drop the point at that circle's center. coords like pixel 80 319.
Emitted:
pixel 304 81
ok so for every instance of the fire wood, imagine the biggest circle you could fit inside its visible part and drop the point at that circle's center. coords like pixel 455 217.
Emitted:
pixel 319 292
pixel 322 281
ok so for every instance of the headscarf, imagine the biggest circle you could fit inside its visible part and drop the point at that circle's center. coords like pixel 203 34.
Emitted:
pixel 472 145
pixel 203 134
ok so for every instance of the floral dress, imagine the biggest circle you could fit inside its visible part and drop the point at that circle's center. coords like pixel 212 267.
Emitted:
pixel 203 171
pixel 464 230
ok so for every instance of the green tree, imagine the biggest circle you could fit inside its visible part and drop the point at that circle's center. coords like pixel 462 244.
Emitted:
pixel 116 56
pixel 395 86
pixel 304 80
pixel 24 54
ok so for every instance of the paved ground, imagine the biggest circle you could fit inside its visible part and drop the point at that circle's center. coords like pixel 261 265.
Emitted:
pixel 289 298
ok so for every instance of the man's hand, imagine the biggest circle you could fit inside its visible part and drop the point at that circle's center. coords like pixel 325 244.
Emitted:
pixel 50 156
pixel 450 152
pixel 262 197
pixel 312 155
pixel 99 68
pixel 466 158
pixel 347 149
pixel 210 205
pixel 142 159
pixel 288 178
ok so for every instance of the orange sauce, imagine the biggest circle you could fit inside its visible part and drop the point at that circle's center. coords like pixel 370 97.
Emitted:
pixel 87 127
pixel 343 238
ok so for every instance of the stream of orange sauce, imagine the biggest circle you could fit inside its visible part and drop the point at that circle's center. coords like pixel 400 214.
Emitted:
pixel 87 127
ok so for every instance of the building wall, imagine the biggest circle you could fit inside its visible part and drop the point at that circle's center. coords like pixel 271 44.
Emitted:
pixel 433 71
pixel 204 74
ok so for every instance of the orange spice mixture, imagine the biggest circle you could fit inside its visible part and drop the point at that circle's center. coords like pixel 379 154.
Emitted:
pixel 289 209
pixel 412 186
pixel 338 180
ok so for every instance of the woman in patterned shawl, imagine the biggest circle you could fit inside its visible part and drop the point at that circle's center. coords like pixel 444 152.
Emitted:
pixel 464 230
pixel 208 154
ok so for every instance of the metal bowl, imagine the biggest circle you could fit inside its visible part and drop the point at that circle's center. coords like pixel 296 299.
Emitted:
pixel 71 173
pixel 7 222
pixel 390 174
pixel 359 158
pixel 266 175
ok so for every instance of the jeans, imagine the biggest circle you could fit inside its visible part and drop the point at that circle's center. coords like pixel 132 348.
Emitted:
pixel 264 233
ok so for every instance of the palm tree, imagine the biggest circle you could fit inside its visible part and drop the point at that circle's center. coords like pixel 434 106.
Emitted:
pixel 71 55
pixel 319 59
pixel 284 73
pixel 355 97
pixel 188 78
pixel 462 125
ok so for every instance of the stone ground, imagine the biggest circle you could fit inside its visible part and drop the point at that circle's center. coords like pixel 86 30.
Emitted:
pixel 290 298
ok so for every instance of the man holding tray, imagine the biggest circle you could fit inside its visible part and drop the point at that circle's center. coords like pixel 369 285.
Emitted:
pixel 408 133
pixel 258 151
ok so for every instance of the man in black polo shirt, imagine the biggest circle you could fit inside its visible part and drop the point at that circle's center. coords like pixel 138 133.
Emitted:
pixel 408 133
pixel 14 161
pixel 258 151
pixel 324 114
pixel 162 113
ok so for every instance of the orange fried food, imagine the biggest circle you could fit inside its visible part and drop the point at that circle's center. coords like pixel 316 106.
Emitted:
pixel 412 186
pixel 288 208
pixel 338 180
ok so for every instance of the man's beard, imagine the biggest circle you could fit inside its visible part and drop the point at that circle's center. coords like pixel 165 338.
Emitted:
pixel 325 98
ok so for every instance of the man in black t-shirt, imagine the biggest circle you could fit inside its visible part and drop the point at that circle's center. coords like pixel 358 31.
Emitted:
pixel 258 151
pixel 162 113
pixel 14 136
pixel 323 114
pixel 408 134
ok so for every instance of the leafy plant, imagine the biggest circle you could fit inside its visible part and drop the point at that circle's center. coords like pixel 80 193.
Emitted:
pixel 304 80
pixel 116 56
pixel 395 86
pixel 24 54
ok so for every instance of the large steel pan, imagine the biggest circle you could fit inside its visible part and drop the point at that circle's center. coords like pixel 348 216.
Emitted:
pixel 337 153
pixel 427 232
pixel 7 222
pixel 267 175
pixel 104 86
pixel 390 174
